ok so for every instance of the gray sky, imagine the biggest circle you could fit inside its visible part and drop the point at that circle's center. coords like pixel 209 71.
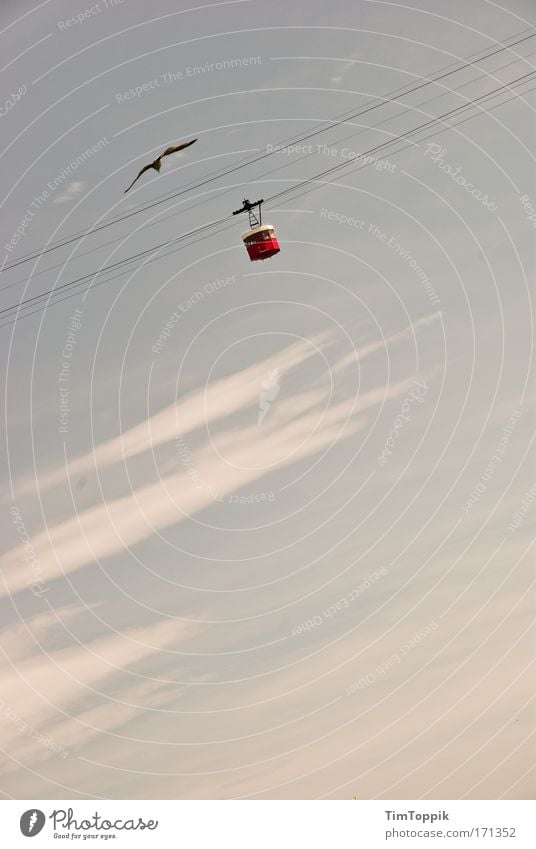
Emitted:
pixel 267 528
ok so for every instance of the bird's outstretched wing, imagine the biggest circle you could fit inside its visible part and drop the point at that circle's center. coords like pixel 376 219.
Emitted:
pixel 176 147
pixel 143 170
pixel 156 163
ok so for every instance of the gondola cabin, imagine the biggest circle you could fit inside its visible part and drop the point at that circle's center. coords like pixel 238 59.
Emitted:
pixel 261 242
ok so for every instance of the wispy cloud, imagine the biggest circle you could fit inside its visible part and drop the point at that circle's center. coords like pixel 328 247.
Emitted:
pixel 345 69
pixel 58 692
pixel 105 529
pixel 233 458
pixel 224 398
pixel 198 409
pixel 70 192
pixel 403 335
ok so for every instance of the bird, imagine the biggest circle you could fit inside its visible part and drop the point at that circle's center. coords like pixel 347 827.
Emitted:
pixel 158 161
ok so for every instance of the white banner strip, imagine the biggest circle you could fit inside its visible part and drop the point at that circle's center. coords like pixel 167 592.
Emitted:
pixel 271 824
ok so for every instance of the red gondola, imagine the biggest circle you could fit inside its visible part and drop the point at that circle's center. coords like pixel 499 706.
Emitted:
pixel 260 241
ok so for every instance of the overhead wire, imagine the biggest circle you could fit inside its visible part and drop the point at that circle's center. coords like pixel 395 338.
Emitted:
pixel 15 308
pixel 454 67
pixel 229 225
pixel 425 138
pixel 226 189
pixel 401 136
pixel 131 258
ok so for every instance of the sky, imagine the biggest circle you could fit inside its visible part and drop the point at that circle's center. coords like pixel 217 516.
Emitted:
pixel 267 528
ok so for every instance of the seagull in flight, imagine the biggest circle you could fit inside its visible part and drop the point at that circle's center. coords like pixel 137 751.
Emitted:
pixel 158 162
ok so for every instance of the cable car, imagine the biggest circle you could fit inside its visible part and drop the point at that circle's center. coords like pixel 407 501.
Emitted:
pixel 260 240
